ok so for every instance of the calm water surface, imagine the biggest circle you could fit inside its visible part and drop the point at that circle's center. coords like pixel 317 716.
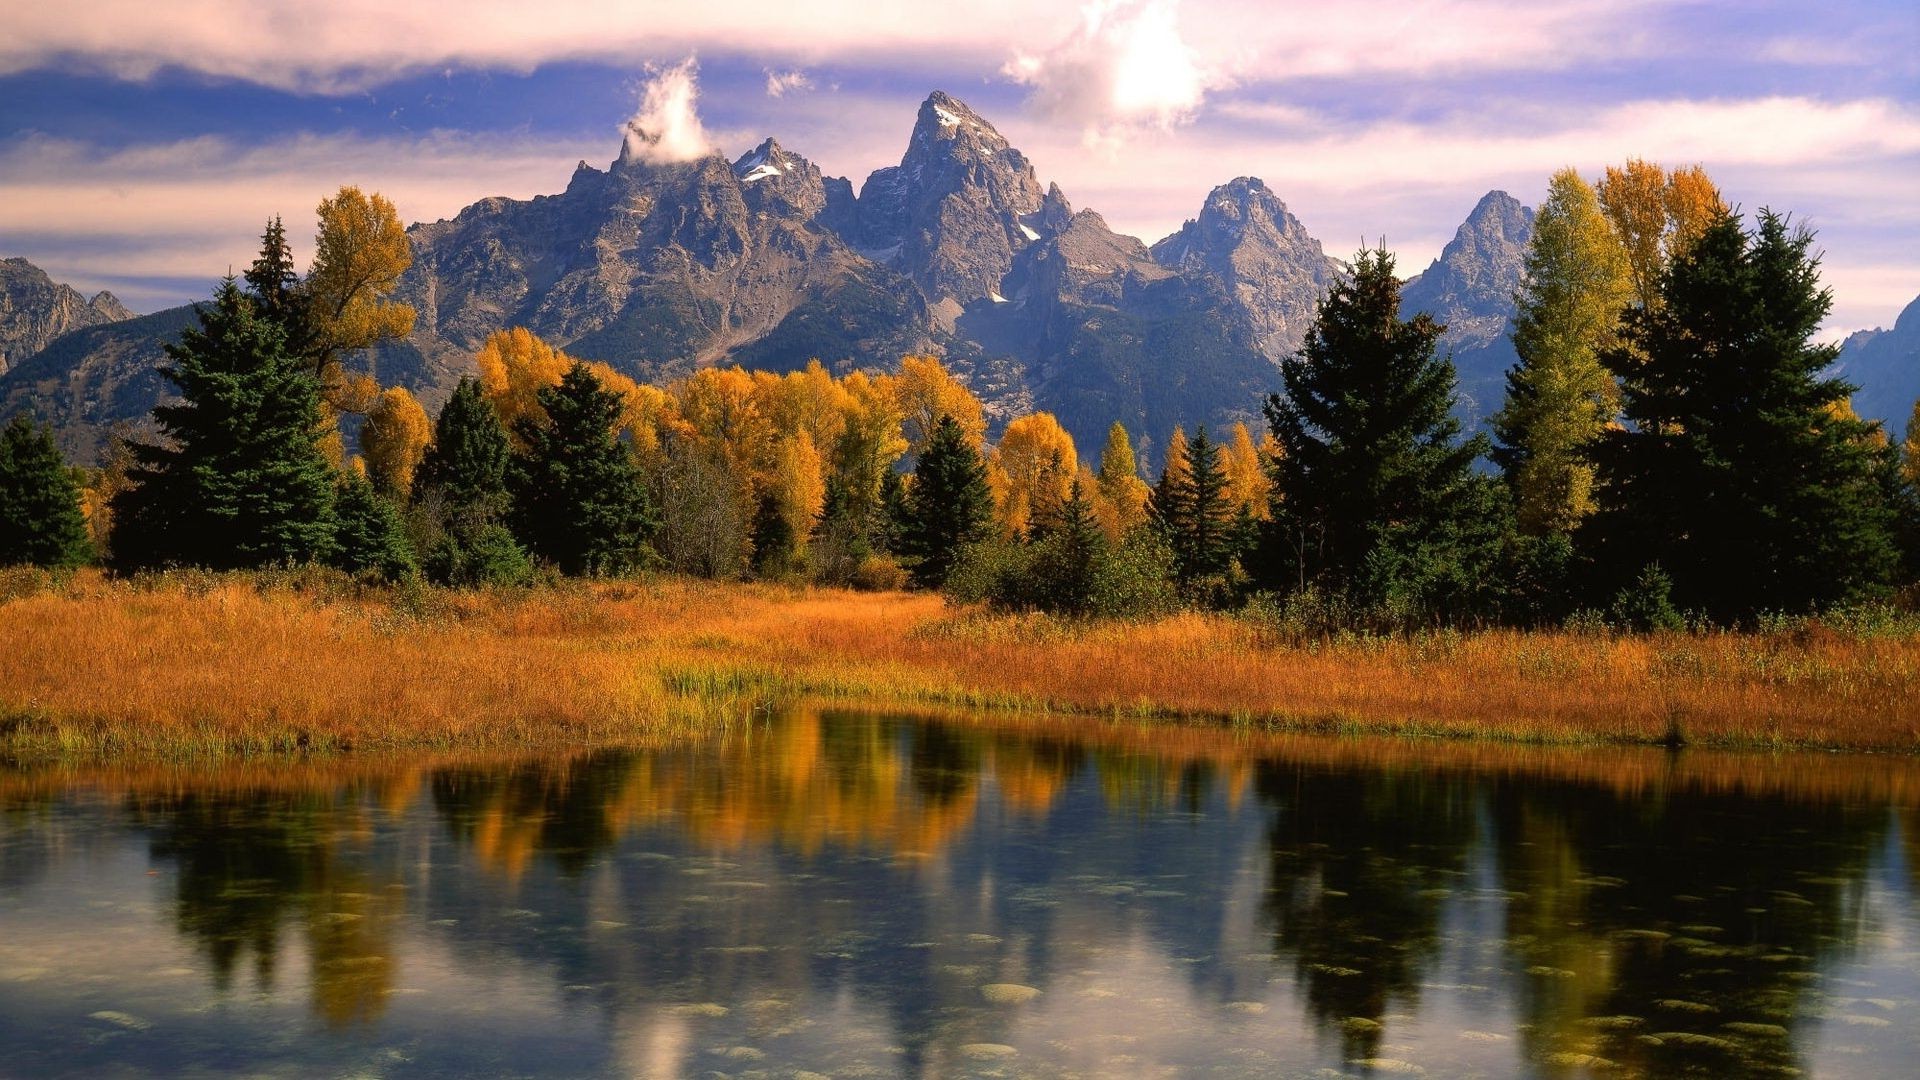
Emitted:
pixel 855 895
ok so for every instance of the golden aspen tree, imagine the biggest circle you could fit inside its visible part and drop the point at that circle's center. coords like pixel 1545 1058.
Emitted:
pixel 1177 469
pixel 1692 203
pixel 925 391
pixel 394 441
pixel 515 365
pixel 1634 199
pixel 1122 502
pixel 1247 480
pixel 799 483
pixel 359 255
pixel 1036 464
pixel 809 400
pixel 719 407
pixel 1560 396
pixel 1910 456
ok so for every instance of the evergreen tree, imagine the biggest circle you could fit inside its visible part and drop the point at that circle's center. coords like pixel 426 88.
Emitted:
pixel 41 523
pixel 1065 563
pixel 1374 492
pixel 1191 509
pixel 949 506
pixel 1736 472
pixel 241 480
pixel 775 546
pixel 369 536
pixel 1560 396
pixel 467 464
pixel 578 497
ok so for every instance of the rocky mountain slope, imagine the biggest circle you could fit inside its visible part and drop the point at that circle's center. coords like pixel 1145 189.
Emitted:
pixel 659 268
pixel 1470 288
pixel 35 309
pixel 1885 365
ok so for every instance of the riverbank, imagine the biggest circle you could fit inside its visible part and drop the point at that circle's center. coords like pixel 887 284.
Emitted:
pixel 206 665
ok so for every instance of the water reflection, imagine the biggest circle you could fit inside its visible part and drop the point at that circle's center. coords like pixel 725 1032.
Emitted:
pixel 857 894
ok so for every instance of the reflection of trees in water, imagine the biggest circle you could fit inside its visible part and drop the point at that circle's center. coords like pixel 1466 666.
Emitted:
pixel 250 864
pixel 1704 915
pixel 1361 863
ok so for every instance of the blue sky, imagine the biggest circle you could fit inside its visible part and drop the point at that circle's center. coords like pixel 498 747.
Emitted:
pixel 142 144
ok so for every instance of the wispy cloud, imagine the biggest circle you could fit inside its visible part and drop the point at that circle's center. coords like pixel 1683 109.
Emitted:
pixel 782 83
pixel 667 126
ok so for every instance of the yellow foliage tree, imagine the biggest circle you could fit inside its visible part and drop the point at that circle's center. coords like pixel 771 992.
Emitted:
pixel 1036 464
pixel 809 400
pixel 394 440
pixel 359 255
pixel 799 483
pixel 1247 480
pixel 1910 457
pixel 1656 215
pixel 925 391
pixel 1121 499
pixel 515 365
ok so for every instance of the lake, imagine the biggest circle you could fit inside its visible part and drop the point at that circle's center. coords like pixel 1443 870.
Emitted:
pixel 860 895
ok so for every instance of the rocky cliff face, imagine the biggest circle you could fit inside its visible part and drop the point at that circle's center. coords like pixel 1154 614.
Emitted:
pixel 1247 241
pixel 1885 365
pixel 763 261
pixel 955 210
pixel 35 309
pixel 1470 288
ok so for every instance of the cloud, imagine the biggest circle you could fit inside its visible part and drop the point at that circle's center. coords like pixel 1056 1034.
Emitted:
pixel 341 46
pixel 667 127
pixel 1125 67
pixel 780 83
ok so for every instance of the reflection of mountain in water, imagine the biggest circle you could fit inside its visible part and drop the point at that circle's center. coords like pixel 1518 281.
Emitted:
pixel 834 891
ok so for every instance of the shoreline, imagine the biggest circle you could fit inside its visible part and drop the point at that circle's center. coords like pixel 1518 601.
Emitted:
pixel 198 665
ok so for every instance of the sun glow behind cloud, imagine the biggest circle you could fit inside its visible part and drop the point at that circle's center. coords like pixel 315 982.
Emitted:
pixel 1368 117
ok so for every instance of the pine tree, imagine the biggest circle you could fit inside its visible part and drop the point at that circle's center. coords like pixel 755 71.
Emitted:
pixel 1374 491
pixel 578 497
pixel 467 464
pixel 369 536
pixel 1194 513
pixel 41 523
pixel 949 506
pixel 1735 472
pixel 1560 396
pixel 241 480
pixel 1065 562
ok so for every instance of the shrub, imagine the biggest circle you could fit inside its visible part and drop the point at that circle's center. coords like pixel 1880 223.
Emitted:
pixel 1647 604
pixel 878 573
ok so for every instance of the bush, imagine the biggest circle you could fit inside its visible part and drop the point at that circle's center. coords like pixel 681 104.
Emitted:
pixel 991 572
pixel 878 573
pixel 1133 579
pixel 1647 604
pixel 488 558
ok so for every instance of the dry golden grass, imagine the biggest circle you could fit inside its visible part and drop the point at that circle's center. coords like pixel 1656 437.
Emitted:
pixel 258 665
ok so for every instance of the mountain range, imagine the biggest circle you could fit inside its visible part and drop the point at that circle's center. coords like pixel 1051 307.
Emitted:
pixel 659 268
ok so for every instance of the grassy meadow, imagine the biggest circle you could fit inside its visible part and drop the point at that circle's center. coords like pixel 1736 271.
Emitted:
pixel 189 665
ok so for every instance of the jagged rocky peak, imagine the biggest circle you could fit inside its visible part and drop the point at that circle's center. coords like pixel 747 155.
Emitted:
pixel 961 202
pixel 1245 237
pixel 1484 261
pixel 35 309
pixel 778 180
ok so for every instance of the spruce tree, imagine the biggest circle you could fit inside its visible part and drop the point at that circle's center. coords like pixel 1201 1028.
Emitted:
pixel 578 497
pixel 369 537
pixel 41 523
pixel 1065 560
pixel 273 284
pixel 1737 472
pixel 1193 513
pixel 949 507
pixel 466 467
pixel 1374 494
pixel 240 480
